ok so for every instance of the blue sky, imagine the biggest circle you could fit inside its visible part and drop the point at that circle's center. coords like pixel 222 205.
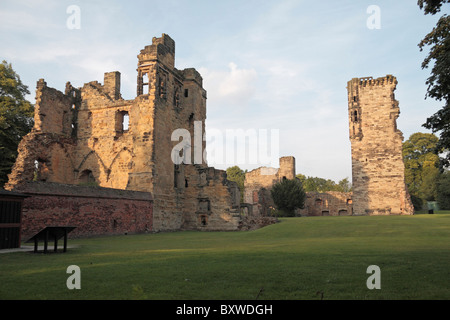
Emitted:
pixel 275 65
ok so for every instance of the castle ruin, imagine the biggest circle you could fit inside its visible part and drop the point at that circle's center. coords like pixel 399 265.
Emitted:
pixel 89 148
pixel 259 182
pixel 92 136
pixel 378 170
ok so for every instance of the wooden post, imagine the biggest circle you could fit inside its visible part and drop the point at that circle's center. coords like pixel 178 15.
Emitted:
pixel 46 241
pixel 65 239
pixel 35 244
pixel 56 244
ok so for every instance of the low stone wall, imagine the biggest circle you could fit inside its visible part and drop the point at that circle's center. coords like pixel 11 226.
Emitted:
pixel 92 210
pixel 331 203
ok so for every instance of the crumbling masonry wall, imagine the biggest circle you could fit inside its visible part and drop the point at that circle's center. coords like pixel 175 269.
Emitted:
pixel 331 203
pixel 92 136
pixel 259 182
pixel 376 143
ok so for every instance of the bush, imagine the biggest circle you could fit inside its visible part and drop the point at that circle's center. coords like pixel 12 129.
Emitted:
pixel 288 195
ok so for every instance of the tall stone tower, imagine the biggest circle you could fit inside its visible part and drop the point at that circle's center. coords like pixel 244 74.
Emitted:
pixel 377 164
pixel 287 168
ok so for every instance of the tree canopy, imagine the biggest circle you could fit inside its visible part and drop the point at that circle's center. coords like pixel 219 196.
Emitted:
pixel 438 41
pixel 316 184
pixel 237 175
pixel 16 117
pixel 421 165
pixel 443 195
pixel 288 195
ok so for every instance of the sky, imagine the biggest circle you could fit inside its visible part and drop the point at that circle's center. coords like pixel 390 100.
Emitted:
pixel 279 66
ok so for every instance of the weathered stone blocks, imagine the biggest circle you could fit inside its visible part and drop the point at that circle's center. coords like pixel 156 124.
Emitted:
pixel 377 165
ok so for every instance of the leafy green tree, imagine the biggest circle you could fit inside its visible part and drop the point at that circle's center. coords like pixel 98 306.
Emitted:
pixel 237 175
pixel 16 117
pixel 288 195
pixel 302 179
pixel 439 81
pixel 316 184
pixel 344 185
pixel 443 194
pixel 421 165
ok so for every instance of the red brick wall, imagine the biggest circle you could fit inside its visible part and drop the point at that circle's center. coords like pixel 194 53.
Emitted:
pixel 93 211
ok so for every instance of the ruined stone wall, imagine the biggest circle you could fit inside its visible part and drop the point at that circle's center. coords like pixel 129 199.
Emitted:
pixel 53 110
pixel 114 141
pixel 92 210
pixel 377 164
pixel 211 201
pixel 179 103
pixel 330 203
pixel 45 154
pixel 258 182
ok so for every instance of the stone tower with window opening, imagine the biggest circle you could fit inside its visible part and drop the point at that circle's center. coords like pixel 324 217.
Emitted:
pixel 376 145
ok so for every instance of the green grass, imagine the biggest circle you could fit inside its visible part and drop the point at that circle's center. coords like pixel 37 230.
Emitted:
pixel 293 259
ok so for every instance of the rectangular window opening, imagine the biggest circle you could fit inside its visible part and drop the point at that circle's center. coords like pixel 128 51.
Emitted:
pixel 125 122
pixel 122 122
pixel 145 84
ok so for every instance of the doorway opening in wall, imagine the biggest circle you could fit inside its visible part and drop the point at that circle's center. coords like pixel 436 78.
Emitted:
pixel 203 220
pixel 87 178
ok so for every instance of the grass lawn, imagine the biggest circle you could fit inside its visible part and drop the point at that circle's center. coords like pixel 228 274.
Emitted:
pixel 293 259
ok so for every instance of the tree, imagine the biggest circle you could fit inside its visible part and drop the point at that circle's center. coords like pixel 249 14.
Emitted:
pixel 288 195
pixel 443 194
pixel 421 166
pixel 344 185
pixel 237 175
pixel 439 81
pixel 316 184
pixel 16 117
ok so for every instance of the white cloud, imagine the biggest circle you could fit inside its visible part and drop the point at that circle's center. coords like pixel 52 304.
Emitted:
pixel 233 87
